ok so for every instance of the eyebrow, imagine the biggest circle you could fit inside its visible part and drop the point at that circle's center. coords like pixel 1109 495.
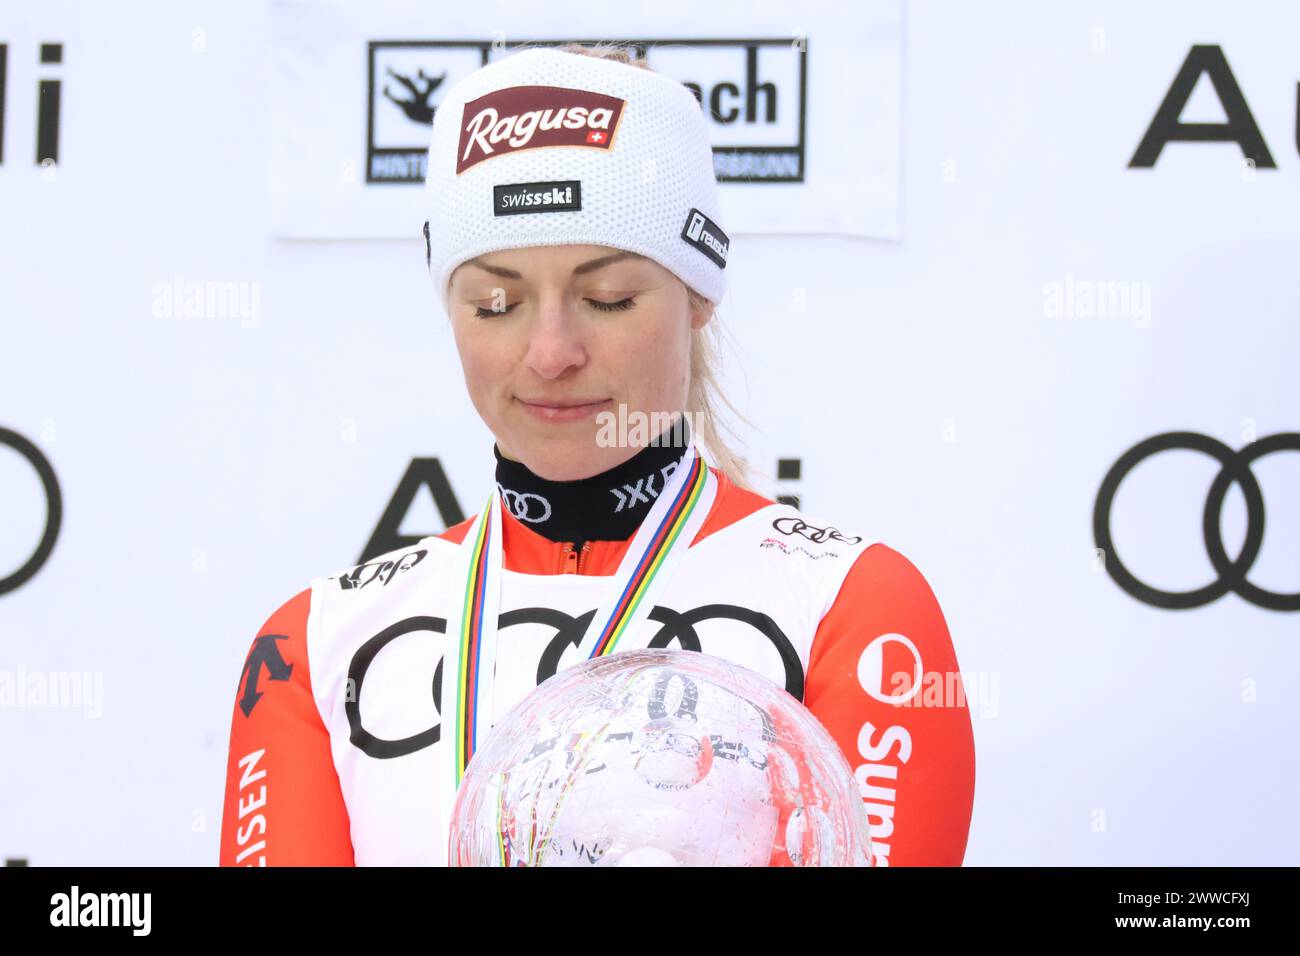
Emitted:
pixel 590 266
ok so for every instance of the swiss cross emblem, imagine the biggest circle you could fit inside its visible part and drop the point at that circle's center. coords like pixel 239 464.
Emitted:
pixel 595 136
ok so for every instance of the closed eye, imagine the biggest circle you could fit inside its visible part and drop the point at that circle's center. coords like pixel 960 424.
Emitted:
pixel 483 313
pixel 619 306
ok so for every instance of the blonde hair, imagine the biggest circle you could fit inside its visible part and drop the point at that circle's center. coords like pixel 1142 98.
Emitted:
pixel 705 398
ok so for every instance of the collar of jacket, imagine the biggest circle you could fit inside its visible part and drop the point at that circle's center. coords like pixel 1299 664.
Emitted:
pixel 608 506
pixel 527 552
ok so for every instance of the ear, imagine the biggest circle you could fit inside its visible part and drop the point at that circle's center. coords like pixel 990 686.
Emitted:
pixel 701 311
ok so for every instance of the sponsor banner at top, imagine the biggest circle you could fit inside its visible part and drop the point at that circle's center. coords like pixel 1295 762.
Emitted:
pixel 804 127
pixel 753 92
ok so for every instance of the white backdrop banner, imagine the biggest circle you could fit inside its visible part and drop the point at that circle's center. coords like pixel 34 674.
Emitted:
pixel 1084 343
pixel 803 110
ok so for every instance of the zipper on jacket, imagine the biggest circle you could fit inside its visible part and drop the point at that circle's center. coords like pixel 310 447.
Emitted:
pixel 571 561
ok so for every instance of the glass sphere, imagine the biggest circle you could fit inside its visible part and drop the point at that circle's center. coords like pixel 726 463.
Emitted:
pixel 659 758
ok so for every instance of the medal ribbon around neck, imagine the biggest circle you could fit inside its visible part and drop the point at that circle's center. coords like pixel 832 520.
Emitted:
pixel 656 550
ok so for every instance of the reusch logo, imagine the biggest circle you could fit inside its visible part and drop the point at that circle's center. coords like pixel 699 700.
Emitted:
pixel 707 236
pixel 515 198
pixel 527 117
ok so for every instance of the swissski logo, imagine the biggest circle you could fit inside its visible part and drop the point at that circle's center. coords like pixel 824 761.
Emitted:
pixel 752 93
pixel 515 198
pixel 564 195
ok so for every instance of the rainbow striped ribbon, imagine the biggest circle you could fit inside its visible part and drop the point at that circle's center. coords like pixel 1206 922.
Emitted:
pixel 649 562
pixel 469 667
pixel 674 518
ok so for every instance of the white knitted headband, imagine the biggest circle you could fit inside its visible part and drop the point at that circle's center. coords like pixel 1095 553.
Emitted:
pixel 546 148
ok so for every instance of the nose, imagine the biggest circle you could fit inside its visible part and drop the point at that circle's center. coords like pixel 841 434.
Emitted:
pixel 555 342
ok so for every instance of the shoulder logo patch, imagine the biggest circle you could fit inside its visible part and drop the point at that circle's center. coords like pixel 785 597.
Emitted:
pixel 791 525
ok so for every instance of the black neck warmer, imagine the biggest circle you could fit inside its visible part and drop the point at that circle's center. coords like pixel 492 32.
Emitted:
pixel 605 507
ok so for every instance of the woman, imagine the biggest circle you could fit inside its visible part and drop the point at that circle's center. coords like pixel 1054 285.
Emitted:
pixel 576 244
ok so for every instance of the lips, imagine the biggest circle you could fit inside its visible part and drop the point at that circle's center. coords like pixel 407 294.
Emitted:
pixel 542 403
pixel 563 410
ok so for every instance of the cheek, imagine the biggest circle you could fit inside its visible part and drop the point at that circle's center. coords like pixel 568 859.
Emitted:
pixel 657 360
pixel 480 356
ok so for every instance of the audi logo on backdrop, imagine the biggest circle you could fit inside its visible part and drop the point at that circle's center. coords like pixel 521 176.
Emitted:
pixel 1232 575
pixel 53 509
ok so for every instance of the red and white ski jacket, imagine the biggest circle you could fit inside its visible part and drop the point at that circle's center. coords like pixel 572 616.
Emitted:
pixel 334 739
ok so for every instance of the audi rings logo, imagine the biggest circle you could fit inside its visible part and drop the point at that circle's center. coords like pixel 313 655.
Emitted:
pixel 1231 574
pixel 526 506
pixel 792 525
pixel 53 509
pixel 675 627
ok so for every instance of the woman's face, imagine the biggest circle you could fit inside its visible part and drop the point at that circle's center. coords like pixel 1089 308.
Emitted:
pixel 550 337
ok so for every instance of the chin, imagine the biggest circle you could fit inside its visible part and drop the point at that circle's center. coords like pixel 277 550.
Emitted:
pixel 557 460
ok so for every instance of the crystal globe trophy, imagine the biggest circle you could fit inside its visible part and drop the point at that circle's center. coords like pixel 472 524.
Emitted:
pixel 659 758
